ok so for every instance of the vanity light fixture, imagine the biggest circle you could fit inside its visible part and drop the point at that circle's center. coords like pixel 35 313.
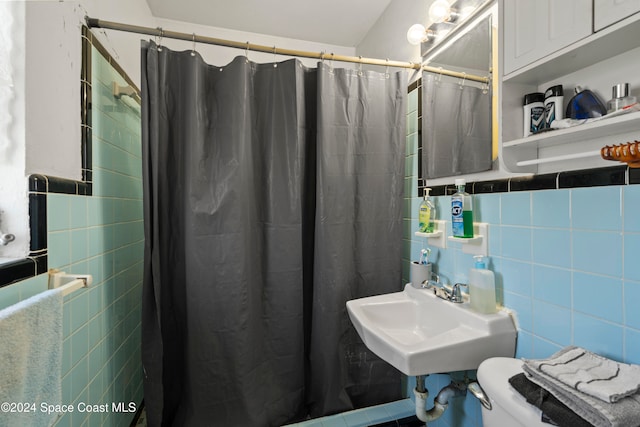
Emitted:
pixel 417 34
pixel 444 17
pixel 441 11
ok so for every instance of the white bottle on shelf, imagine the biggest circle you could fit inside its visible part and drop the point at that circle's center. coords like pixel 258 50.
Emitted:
pixel 482 287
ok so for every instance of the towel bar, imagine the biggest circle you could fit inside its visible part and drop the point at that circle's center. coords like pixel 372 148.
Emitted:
pixel 68 282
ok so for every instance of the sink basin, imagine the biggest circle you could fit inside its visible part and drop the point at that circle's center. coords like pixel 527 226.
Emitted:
pixel 419 333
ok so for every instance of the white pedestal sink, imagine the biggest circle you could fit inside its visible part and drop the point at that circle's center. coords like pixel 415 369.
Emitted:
pixel 419 333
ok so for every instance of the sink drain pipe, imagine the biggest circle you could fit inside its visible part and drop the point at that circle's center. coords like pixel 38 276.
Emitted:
pixel 440 403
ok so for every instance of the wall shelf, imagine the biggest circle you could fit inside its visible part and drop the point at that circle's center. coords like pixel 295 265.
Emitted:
pixel 604 127
pixel 429 235
pixel 476 245
pixel 437 237
pixel 473 240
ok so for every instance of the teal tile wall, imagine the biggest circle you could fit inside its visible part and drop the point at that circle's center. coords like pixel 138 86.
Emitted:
pixel 565 263
pixel 100 235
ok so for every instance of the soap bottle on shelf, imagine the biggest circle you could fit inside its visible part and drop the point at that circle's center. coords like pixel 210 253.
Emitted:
pixel 461 211
pixel 482 287
pixel 427 213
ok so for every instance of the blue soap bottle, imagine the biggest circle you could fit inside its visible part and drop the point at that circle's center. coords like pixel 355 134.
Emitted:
pixel 461 211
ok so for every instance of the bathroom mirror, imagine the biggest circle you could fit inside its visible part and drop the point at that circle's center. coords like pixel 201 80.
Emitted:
pixel 470 52
pixel 458 115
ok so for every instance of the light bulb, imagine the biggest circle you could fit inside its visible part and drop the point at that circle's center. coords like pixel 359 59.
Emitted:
pixel 440 11
pixel 416 34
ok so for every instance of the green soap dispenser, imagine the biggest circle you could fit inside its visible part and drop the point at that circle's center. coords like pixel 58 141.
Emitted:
pixel 427 213
pixel 482 287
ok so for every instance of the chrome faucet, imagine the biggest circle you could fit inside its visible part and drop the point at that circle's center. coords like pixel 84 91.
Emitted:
pixel 434 284
pixel 456 294
pixel 449 293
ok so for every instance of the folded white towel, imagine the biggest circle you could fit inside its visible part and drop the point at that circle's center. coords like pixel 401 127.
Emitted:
pixel 590 373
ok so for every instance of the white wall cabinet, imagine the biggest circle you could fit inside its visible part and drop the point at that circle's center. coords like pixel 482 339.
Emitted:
pixel 607 12
pixel 535 28
pixel 596 61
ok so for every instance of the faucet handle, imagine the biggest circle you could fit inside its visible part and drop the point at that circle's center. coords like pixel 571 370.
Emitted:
pixel 430 283
pixel 456 294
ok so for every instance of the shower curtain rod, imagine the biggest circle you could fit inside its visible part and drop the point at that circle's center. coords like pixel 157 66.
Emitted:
pixel 159 32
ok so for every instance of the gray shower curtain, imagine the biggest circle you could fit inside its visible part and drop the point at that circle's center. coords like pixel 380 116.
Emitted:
pixel 272 195
pixel 456 128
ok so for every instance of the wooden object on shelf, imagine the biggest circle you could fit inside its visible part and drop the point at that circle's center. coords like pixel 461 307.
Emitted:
pixel 628 153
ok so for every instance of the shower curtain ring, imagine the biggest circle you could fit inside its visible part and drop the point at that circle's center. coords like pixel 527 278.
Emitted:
pixel 275 64
pixel 360 66
pixel 322 57
pixel 331 64
pixel 159 39
pixel 485 88
pixel 439 80
pixel 461 83
pixel 386 70
pixel 193 51
pixel 246 52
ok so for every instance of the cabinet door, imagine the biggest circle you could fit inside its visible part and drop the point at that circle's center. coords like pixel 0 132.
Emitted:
pixel 607 12
pixel 535 28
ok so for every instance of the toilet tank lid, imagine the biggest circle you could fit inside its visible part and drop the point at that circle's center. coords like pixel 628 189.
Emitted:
pixel 493 376
pixel 494 373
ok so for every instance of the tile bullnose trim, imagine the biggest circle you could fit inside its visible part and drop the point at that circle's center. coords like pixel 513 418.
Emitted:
pixel 596 177
pixel 37 183
pixel 15 271
pixel 614 175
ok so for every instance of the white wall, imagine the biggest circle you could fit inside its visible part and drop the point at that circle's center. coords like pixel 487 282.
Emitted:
pixel 52 110
pixel 14 206
pixel 53 64
pixel 388 37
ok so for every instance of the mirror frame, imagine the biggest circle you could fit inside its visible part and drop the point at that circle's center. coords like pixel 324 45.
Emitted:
pixel 488 9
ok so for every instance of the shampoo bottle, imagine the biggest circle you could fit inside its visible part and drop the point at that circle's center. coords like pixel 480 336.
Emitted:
pixel 427 213
pixel 482 287
pixel 461 212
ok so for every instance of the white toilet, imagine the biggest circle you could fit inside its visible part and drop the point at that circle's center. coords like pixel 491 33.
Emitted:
pixel 509 408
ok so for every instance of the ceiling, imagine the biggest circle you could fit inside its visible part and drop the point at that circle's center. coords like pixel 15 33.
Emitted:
pixel 336 22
